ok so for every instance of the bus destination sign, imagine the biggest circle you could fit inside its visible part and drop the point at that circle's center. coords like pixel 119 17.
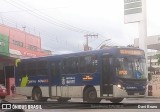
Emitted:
pixel 131 52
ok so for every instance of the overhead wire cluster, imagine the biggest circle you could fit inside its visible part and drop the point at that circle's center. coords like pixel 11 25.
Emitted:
pixel 44 17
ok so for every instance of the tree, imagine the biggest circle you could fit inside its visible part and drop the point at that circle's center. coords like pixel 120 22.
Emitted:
pixel 158 57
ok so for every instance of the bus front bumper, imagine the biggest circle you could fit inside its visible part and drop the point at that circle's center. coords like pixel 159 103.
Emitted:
pixel 119 92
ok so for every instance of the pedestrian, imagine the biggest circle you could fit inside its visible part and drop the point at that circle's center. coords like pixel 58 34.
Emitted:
pixel 13 90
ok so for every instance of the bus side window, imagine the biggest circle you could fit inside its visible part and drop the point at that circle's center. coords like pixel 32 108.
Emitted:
pixel 64 66
pixel 54 69
pixel 88 64
pixel 72 65
pixel 31 68
pixel 81 64
pixel 42 68
pixel 94 63
pixel 21 69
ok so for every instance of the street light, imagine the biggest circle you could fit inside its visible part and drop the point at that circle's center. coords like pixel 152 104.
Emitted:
pixel 102 43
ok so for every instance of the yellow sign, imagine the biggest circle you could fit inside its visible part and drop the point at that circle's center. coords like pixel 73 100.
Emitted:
pixel 17 61
pixel 24 81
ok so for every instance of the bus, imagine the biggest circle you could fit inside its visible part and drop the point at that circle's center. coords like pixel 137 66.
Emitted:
pixel 112 73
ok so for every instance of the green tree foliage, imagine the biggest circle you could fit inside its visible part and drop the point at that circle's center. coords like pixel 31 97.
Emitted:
pixel 158 57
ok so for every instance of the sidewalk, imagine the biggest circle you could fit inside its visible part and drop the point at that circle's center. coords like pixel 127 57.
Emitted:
pixel 15 97
pixel 145 98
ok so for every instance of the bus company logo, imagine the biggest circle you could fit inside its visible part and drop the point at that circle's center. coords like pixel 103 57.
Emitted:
pixel 70 80
pixel 6 106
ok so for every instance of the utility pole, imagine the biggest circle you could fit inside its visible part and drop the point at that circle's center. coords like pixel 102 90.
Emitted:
pixel 24 27
pixel 86 46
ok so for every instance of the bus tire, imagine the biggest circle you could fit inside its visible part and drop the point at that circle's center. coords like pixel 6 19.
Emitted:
pixel 90 95
pixel 37 94
pixel 116 100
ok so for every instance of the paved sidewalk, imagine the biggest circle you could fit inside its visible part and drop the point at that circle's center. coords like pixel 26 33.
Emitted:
pixel 15 97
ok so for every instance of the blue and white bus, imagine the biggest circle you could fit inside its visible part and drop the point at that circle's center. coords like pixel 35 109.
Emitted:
pixel 112 73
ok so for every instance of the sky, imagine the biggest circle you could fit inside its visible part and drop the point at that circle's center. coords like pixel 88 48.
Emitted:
pixel 62 24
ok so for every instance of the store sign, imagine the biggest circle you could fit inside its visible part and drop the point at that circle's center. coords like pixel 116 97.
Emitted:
pixel 133 11
pixel 2 44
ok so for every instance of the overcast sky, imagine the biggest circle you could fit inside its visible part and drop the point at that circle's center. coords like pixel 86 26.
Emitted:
pixel 62 24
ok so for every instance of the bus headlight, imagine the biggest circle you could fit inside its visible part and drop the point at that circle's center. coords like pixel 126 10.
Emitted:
pixel 119 86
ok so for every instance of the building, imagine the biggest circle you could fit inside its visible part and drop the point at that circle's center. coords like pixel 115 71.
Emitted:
pixel 153 42
pixel 14 44
pixel 20 43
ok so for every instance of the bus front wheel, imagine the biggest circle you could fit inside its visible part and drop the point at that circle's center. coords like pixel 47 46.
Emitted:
pixel 116 100
pixel 90 95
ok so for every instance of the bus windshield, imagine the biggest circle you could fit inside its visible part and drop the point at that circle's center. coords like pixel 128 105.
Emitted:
pixel 131 68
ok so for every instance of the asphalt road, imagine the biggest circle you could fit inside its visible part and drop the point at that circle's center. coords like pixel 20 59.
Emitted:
pixel 75 105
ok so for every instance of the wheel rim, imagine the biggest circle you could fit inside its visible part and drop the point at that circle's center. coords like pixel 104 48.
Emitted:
pixel 37 95
pixel 92 95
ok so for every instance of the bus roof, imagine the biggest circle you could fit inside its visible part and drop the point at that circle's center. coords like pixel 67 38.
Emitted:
pixel 110 50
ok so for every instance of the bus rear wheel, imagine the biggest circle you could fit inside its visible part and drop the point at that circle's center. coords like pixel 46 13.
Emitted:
pixel 37 95
pixel 116 100
pixel 90 95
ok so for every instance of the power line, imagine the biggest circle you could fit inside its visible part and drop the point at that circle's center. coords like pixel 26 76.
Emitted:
pixel 48 19
pixel 80 29
pixel 29 10
pixel 42 16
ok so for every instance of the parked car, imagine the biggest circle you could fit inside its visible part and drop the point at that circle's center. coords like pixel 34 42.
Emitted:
pixel 3 91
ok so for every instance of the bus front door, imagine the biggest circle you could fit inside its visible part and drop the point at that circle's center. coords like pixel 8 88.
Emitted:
pixel 106 85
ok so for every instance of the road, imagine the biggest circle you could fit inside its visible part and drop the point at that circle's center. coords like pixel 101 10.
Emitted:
pixel 105 106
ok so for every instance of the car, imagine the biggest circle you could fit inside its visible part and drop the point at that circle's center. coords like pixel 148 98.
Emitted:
pixel 3 91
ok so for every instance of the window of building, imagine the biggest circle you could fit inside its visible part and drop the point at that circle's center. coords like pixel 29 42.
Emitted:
pixel 18 43
pixel 32 47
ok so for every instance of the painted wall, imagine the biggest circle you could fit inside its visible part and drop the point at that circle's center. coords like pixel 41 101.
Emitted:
pixel 22 44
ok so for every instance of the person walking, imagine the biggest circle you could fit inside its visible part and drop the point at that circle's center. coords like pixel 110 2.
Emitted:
pixel 13 90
